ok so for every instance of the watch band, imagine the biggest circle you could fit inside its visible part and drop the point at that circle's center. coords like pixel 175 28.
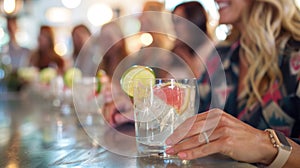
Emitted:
pixel 281 158
pixel 284 151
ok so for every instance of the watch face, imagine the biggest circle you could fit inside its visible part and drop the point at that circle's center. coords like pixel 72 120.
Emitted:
pixel 282 139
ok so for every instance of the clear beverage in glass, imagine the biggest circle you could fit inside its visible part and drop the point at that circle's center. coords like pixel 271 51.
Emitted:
pixel 160 105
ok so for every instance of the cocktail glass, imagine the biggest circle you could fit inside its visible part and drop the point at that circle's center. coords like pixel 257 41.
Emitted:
pixel 160 105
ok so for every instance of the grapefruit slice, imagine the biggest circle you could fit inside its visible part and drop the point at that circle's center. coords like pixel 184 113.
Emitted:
pixel 174 94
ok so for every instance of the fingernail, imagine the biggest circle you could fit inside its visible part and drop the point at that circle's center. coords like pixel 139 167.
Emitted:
pixel 169 142
pixel 182 155
pixel 170 150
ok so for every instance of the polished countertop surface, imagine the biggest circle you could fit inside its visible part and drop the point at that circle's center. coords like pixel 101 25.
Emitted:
pixel 36 133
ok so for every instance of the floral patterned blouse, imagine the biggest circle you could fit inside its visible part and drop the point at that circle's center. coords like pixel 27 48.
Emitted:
pixel 279 110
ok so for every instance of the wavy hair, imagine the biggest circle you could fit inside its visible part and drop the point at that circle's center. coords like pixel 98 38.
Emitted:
pixel 269 26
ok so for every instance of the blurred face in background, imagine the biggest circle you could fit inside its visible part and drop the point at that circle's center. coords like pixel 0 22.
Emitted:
pixel 231 11
pixel 79 36
pixel 46 39
pixel 77 40
pixel 189 18
pixel 148 21
pixel 43 41
pixel 180 24
pixel 12 26
pixel 110 36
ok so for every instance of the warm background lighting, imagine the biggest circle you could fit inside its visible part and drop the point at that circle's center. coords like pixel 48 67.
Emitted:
pixel 60 48
pixel 146 39
pixel 9 6
pixel 62 15
pixel 71 3
pixel 297 2
pixel 58 15
pixel 222 32
pixel 99 14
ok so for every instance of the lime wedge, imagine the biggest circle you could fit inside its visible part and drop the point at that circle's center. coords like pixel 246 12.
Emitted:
pixel 99 86
pixel 71 75
pixel 133 73
pixel 47 74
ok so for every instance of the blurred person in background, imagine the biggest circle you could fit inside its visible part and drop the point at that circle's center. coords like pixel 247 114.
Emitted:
pixel 13 57
pixel 261 93
pixel 156 22
pixel 80 35
pixel 186 16
pixel 113 46
pixel 18 55
pixel 45 56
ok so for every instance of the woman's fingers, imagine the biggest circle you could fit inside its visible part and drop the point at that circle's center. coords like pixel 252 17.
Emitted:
pixel 213 147
pixel 185 145
pixel 231 137
pixel 188 128
pixel 200 131
pixel 192 126
pixel 198 140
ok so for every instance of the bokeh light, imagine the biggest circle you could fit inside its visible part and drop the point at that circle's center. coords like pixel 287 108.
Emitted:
pixel 297 2
pixel 99 14
pixel 9 6
pixel 58 15
pixel 222 32
pixel 71 3
pixel 22 37
pixel 146 39
pixel 61 48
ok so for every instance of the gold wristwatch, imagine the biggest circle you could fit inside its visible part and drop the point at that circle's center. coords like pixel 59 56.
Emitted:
pixel 284 148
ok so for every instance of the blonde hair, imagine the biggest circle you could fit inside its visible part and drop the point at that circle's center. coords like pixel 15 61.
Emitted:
pixel 269 24
pixel 153 6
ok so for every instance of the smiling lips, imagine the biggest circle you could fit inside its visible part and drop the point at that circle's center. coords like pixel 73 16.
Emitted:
pixel 222 4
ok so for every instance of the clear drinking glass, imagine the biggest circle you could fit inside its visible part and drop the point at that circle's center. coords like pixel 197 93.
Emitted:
pixel 87 101
pixel 160 105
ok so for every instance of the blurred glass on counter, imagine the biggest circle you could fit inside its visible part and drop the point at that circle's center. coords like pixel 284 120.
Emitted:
pixel 88 100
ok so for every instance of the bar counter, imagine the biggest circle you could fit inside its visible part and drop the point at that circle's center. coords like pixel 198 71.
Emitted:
pixel 34 133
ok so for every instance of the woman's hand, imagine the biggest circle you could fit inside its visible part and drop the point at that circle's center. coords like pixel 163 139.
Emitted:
pixel 225 134
pixel 117 109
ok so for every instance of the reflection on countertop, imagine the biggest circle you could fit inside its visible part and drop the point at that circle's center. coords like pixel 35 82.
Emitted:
pixel 34 133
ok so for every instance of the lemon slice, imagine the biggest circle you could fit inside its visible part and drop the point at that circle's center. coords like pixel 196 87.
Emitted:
pixel 142 73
